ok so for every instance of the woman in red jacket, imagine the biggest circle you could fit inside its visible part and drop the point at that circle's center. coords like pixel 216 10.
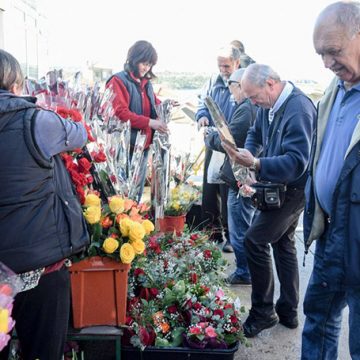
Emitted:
pixel 135 99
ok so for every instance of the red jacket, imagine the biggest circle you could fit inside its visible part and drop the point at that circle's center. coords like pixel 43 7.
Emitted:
pixel 122 104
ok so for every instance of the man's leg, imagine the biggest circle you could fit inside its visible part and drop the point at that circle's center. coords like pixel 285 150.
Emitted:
pixel 288 273
pixel 210 208
pixel 267 228
pixel 42 317
pixel 224 191
pixel 323 309
pixel 353 300
pixel 240 214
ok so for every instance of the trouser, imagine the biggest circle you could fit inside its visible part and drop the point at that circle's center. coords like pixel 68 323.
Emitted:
pixel 214 203
pixel 240 215
pixel 42 317
pixel 323 306
pixel 275 228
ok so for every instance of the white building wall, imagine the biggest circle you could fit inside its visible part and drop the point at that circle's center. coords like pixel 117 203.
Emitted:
pixel 24 35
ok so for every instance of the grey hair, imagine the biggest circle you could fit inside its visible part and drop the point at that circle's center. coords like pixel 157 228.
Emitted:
pixel 257 74
pixel 345 13
pixel 229 51
pixel 10 71
pixel 239 45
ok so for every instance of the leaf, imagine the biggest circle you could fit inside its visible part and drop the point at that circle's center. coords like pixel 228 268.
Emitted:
pixel 97 230
pixel 169 297
pixel 179 288
pixel 177 336
pixel 162 342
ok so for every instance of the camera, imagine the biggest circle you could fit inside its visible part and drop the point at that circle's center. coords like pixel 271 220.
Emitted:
pixel 268 196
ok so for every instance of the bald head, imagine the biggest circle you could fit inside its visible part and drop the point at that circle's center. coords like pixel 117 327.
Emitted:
pixel 344 14
pixel 337 39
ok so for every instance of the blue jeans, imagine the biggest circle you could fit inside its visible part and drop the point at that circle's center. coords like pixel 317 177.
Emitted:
pixel 240 215
pixel 323 307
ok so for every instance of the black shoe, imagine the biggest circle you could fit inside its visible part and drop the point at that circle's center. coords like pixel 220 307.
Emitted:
pixel 289 320
pixel 227 248
pixel 291 323
pixel 253 326
pixel 234 279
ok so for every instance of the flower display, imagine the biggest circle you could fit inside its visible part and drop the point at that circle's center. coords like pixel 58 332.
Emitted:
pixel 176 296
pixel 181 198
pixel 10 285
pixel 118 228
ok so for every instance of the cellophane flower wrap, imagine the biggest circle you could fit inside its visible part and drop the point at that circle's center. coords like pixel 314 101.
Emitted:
pixel 100 171
pixel 161 161
pixel 10 285
pixel 181 198
pixel 241 173
pixel 176 296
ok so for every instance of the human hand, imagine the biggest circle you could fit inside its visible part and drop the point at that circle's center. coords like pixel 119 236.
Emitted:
pixel 203 121
pixel 159 126
pixel 175 103
pixel 240 156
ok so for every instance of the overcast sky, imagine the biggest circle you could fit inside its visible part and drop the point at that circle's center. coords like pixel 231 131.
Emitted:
pixel 186 33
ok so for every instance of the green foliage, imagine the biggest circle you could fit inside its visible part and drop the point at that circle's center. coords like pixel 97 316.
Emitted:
pixel 183 80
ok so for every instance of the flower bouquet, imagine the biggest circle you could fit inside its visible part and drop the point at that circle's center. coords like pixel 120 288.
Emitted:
pixel 118 230
pixel 170 301
pixel 10 285
pixel 181 198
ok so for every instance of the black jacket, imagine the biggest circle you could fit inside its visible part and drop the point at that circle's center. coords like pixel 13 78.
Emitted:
pixel 41 220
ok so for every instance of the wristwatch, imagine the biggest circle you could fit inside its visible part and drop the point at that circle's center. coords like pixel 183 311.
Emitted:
pixel 253 166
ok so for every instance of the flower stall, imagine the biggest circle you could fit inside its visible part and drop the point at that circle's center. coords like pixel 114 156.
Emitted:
pixel 164 287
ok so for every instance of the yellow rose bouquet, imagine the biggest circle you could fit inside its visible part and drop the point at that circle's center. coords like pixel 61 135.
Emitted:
pixel 118 228
pixel 181 198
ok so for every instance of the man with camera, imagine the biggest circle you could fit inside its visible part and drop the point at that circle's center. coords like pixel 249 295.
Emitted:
pixel 277 148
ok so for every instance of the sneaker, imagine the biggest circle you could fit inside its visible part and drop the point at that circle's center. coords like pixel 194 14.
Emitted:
pixel 253 326
pixel 227 248
pixel 234 279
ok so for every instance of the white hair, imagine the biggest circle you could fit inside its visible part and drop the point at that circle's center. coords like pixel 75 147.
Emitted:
pixel 257 74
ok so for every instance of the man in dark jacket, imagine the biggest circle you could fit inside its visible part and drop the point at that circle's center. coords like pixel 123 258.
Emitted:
pixel 214 215
pixel 41 221
pixel 240 209
pixel 282 135
pixel 332 215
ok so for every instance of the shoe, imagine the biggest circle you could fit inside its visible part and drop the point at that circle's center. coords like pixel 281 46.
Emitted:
pixel 227 248
pixel 234 279
pixel 253 326
pixel 290 320
pixel 291 323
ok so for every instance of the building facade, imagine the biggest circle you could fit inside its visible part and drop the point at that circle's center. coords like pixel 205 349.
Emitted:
pixel 22 34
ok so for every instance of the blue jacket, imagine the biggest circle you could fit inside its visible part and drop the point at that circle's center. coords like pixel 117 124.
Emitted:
pixel 285 144
pixel 41 220
pixel 220 93
pixel 338 238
